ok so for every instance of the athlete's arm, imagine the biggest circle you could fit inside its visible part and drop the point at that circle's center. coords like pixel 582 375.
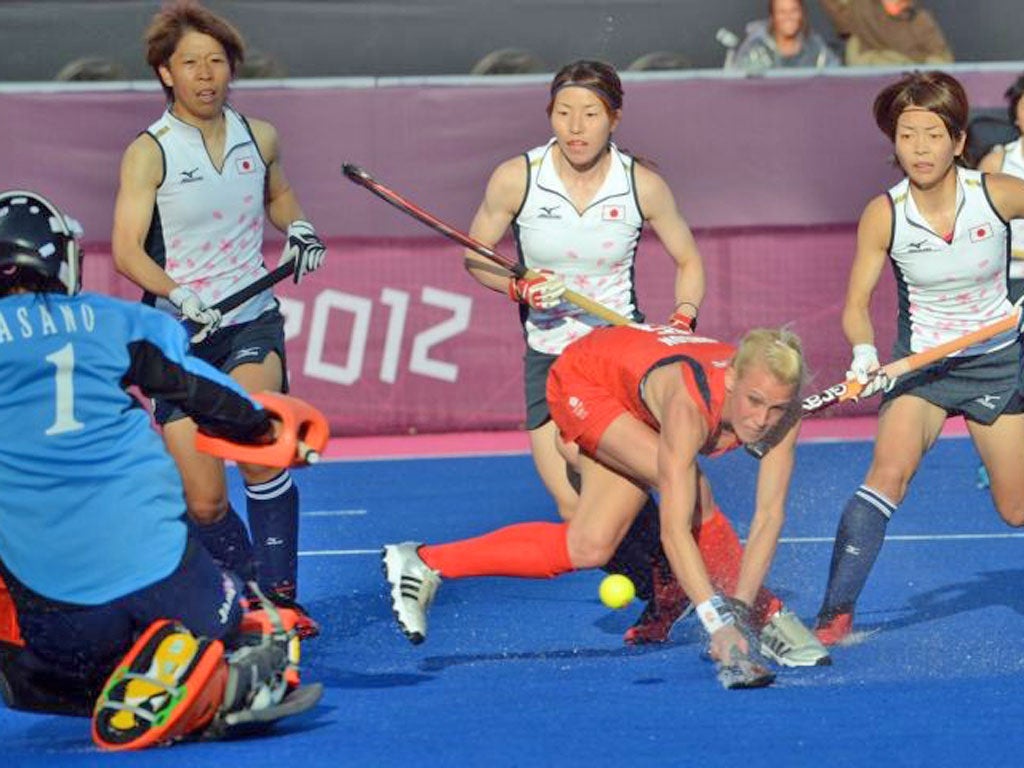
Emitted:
pixel 659 208
pixel 141 173
pixel 282 204
pixel 1007 195
pixel 773 476
pixel 502 198
pixel 683 432
pixel 873 234
pixel 161 367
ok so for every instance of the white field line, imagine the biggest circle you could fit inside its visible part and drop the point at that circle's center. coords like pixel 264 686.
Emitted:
pixel 937 537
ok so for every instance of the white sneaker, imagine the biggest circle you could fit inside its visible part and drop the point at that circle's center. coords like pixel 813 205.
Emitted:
pixel 413 585
pixel 788 642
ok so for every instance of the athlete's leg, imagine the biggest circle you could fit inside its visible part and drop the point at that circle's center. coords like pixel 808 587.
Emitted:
pixel 272 499
pixel 210 513
pixel 907 428
pixel 1001 447
pixel 553 468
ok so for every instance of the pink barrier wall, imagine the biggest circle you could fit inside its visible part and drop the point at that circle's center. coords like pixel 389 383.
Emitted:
pixel 392 335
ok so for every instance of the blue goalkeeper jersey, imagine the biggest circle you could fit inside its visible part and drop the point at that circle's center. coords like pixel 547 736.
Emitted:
pixel 91 504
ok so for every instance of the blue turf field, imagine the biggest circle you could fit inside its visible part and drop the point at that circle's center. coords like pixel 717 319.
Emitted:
pixel 522 673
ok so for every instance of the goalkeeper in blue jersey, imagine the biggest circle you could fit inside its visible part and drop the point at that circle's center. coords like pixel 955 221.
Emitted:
pixel 94 548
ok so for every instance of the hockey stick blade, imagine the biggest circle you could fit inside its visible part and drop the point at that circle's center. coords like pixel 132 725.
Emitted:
pixel 358 175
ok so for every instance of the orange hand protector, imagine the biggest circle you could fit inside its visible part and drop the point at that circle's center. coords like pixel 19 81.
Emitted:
pixel 302 435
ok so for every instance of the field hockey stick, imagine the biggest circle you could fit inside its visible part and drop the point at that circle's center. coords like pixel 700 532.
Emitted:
pixel 851 388
pixel 239 298
pixel 268 280
pixel 365 180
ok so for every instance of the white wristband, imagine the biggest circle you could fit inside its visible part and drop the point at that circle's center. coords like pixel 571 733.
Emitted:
pixel 714 614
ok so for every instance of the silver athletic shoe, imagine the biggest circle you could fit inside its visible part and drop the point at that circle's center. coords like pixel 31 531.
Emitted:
pixel 413 585
pixel 786 641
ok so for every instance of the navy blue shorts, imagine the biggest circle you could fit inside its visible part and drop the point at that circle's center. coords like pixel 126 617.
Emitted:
pixel 88 641
pixel 980 388
pixel 536 366
pixel 233 346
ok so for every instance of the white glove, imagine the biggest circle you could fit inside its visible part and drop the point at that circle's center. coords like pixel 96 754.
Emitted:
pixel 304 248
pixel 543 289
pixel 196 312
pixel 863 368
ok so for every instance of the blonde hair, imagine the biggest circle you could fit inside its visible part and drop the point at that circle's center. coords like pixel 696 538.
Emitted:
pixel 777 349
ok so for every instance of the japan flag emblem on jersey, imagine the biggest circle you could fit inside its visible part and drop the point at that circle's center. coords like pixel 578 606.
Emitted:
pixel 245 164
pixel 613 213
pixel 981 232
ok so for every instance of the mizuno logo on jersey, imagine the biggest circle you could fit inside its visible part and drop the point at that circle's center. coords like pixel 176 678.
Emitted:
pixel 187 177
pixel 549 212
pixel 613 213
pixel 981 232
pixel 247 352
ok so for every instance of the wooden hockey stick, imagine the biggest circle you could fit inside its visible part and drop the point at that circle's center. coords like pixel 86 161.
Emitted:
pixel 357 175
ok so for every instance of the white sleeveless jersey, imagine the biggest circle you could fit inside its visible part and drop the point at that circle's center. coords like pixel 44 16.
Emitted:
pixel 949 289
pixel 1013 165
pixel 207 229
pixel 594 250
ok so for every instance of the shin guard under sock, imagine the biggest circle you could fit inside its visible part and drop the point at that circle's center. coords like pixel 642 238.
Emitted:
pixel 528 550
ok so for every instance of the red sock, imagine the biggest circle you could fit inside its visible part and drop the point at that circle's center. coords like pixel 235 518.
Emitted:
pixel 9 631
pixel 720 547
pixel 722 552
pixel 528 550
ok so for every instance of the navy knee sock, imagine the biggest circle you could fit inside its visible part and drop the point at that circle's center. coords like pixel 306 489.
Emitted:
pixel 639 549
pixel 858 541
pixel 273 509
pixel 228 543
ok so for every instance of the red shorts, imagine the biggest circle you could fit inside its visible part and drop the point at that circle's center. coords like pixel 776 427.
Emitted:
pixel 583 404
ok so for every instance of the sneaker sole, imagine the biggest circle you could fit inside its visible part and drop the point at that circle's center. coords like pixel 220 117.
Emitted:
pixel 386 563
pixel 785 661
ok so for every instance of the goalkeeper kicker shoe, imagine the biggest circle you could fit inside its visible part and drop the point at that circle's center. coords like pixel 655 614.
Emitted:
pixel 786 641
pixel 413 586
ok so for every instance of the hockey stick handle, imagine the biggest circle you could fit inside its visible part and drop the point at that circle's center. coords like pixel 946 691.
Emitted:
pixel 851 388
pixel 268 280
pixel 359 176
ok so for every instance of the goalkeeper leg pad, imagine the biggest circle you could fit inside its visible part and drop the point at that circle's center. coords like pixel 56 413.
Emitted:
pixel 169 686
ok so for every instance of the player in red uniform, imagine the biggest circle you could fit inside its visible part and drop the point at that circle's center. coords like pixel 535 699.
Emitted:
pixel 642 403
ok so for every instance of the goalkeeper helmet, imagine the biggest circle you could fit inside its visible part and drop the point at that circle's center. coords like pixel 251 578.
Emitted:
pixel 36 237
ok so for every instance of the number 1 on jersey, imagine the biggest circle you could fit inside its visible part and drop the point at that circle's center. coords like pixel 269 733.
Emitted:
pixel 64 361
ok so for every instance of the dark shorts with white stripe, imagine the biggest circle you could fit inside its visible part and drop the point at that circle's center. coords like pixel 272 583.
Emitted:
pixel 978 387
pixel 233 346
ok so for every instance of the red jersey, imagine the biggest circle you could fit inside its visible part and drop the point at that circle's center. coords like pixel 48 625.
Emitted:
pixel 601 376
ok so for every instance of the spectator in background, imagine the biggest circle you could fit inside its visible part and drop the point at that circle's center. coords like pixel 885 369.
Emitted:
pixel 784 39
pixel 881 32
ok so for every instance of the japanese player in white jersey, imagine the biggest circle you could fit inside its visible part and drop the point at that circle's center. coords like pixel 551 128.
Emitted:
pixel 196 188
pixel 944 230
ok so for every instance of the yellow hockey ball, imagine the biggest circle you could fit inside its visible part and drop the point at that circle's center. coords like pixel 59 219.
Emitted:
pixel 616 591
